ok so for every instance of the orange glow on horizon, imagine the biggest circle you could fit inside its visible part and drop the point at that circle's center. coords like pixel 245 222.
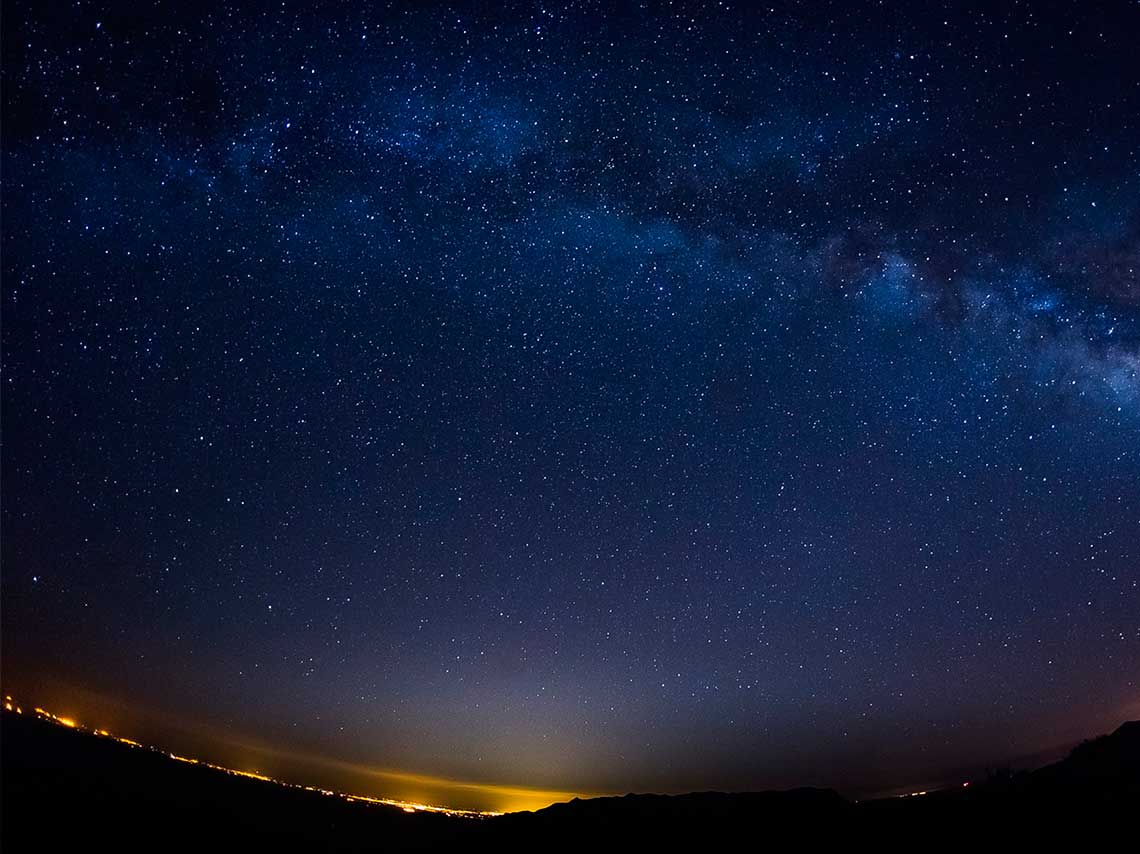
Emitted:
pixel 524 798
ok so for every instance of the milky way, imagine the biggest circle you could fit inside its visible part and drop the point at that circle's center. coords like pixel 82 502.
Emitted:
pixel 574 397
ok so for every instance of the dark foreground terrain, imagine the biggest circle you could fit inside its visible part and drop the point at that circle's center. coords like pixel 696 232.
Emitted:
pixel 68 790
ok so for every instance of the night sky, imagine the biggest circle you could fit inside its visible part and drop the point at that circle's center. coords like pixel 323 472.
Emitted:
pixel 582 398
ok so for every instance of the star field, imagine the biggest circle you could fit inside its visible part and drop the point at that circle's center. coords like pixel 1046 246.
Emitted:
pixel 578 396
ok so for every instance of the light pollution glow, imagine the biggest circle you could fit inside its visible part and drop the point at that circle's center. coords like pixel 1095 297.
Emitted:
pixel 504 798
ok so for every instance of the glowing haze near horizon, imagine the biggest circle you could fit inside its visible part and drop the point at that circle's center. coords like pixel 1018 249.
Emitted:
pixel 571 397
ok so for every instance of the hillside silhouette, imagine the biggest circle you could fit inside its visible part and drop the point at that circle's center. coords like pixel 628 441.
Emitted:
pixel 65 789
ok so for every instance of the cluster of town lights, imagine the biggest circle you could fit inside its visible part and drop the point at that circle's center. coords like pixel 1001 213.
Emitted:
pixel 12 706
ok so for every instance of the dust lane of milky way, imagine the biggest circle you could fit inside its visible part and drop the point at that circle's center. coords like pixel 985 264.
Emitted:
pixel 571 397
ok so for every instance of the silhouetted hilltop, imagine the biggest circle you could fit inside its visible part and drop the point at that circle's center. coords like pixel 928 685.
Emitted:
pixel 1105 768
pixel 718 805
pixel 1098 779
pixel 666 821
pixel 65 790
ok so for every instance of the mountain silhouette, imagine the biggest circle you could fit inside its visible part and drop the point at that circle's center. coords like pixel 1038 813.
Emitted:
pixel 65 789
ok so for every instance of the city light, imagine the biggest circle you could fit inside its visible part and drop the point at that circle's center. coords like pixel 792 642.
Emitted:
pixel 408 807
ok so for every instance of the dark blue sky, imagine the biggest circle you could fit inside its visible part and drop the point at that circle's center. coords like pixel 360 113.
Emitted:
pixel 578 397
